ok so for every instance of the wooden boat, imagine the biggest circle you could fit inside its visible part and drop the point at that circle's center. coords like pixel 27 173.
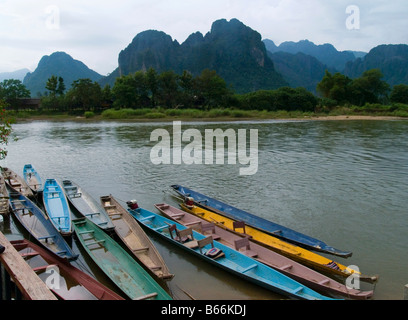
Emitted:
pixel 224 257
pixel 16 182
pixel 73 283
pixel 289 267
pixel 37 223
pixel 292 251
pixel 135 238
pixel 86 205
pixel 277 230
pixel 4 203
pixel 57 207
pixel 32 178
pixel 117 264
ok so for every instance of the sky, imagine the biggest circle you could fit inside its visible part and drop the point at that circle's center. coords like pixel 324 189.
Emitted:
pixel 95 31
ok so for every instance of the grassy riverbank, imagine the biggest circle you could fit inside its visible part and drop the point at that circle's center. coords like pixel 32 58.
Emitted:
pixel 339 113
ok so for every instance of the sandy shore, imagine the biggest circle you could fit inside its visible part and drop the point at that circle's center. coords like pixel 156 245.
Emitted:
pixel 216 119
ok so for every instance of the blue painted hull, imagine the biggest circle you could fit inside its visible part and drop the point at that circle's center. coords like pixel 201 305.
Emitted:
pixel 35 221
pixel 57 207
pixel 232 261
pixel 276 230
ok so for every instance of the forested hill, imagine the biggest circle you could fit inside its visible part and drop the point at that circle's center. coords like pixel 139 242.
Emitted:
pixel 392 60
pixel 58 64
pixel 233 50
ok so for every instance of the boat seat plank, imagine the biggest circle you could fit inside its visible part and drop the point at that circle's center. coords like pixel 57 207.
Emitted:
pixel 253 266
pixel 148 296
pixel 297 290
pixel 86 232
pixel 286 267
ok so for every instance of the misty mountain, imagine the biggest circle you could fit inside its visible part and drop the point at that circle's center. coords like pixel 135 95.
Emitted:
pixel 299 70
pixel 233 50
pixel 325 53
pixel 16 75
pixel 392 60
pixel 59 64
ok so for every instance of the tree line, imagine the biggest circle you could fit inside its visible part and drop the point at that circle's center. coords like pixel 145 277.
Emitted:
pixel 168 90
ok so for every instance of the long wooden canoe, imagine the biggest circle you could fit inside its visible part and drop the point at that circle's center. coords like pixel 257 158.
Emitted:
pixel 275 229
pixel 16 182
pixel 135 238
pixel 224 257
pixel 309 277
pixel 87 206
pixel 69 282
pixel 57 207
pixel 37 223
pixel 33 178
pixel 292 251
pixel 4 203
pixel 117 264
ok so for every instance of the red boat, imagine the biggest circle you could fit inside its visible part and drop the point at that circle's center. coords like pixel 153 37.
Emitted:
pixel 63 279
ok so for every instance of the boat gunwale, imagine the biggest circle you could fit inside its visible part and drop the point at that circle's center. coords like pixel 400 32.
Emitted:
pixel 277 288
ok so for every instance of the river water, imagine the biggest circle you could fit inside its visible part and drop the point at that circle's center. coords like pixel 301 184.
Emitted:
pixel 344 182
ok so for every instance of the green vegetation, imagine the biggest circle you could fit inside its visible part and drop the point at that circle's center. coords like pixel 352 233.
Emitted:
pixel 152 96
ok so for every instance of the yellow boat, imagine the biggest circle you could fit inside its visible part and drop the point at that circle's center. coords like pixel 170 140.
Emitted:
pixel 292 251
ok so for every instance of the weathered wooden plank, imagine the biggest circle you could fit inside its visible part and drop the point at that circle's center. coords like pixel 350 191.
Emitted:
pixel 30 285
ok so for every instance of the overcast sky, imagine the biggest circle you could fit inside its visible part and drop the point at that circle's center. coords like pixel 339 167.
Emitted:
pixel 95 31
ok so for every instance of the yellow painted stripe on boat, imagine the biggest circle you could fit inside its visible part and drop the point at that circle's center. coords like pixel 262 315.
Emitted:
pixel 276 244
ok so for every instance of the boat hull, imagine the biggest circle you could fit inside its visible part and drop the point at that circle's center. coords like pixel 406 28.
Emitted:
pixel 135 238
pixel 56 206
pixel 289 267
pixel 33 179
pixel 37 223
pixel 276 230
pixel 86 205
pixel 17 183
pixel 73 283
pixel 231 261
pixel 292 251
pixel 117 264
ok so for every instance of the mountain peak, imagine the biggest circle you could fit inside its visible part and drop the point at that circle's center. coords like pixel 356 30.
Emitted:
pixel 58 64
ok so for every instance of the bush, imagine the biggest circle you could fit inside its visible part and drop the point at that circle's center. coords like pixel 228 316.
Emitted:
pixel 89 114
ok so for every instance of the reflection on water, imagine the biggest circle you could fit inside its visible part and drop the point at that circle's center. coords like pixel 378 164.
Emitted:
pixel 343 182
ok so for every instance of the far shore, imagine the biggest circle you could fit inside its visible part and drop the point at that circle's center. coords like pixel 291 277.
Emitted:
pixel 65 118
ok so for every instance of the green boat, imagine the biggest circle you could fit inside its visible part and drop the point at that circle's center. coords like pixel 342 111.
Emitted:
pixel 117 264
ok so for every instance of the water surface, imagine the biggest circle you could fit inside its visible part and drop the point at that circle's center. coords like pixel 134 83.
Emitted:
pixel 344 182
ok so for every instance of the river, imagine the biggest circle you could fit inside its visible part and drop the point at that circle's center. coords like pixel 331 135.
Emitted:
pixel 344 182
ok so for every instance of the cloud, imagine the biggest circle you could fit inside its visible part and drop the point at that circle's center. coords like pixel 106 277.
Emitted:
pixel 96 31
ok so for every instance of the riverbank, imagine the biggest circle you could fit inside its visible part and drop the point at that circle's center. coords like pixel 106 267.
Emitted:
pixel 254 116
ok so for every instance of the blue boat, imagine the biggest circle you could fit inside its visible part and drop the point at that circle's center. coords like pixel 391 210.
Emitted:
pixel 33 179
pixel 276 230
pixel 57 207
pixel 222 256
pixel 36 222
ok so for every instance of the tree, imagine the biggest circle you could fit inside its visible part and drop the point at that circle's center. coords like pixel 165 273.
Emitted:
pixel 52 85
pixel 168 89
pixel 212 88
pixel 399 94
pixel 12 90
pixel 335 87
pixel 5 129
pixel 85 95
pixel 61 86
pixel 369 88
